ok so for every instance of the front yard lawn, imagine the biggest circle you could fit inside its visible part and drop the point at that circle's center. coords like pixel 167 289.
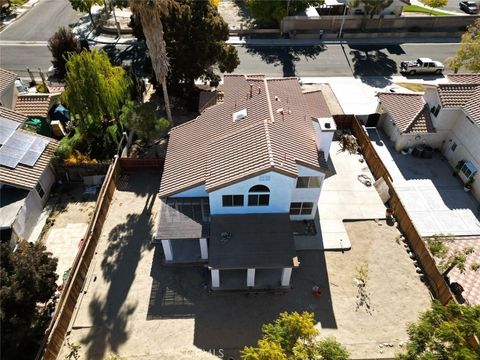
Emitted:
pixel 420 9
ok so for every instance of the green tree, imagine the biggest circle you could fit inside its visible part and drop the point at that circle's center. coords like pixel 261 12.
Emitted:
pixel 435 4
pixel 275 10
pixel 293 336
pixel 95 90
pixel 85 5
pixel 371 7
pixel 448 260
pixel 142 119
pixel 27 276
pixel 62 45
pixel 443 333
pixel 195 30
pixel 468 55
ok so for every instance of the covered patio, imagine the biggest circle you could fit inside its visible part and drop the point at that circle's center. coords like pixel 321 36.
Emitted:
pixel 251 251
pixel 182 230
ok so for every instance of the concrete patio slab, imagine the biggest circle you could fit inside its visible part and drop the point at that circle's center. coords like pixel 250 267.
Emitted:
pixel 434 199
pixel 344 197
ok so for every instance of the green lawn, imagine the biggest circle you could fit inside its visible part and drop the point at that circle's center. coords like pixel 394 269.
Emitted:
pixel 18 2
pixel 416 8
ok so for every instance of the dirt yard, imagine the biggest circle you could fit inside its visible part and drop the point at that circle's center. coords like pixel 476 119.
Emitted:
pixel 395 293
pixel 138 309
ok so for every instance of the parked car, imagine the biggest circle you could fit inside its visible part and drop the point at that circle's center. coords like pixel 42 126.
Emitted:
pixel 421 66
pixel 470 7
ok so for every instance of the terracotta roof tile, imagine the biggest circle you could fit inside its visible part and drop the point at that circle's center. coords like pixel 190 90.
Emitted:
pixel 12 115
pixel 409 112
pixel 33 104
pixel 6 79
pixel 215 150
pixel 472 107
pixel 317 105
pixel 464 78
pixel 455 95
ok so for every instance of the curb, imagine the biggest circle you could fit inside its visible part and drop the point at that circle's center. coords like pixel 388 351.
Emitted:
pixel 19 16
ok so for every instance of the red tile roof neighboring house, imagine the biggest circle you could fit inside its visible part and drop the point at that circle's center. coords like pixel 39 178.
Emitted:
pixel 216 150
pixel 34 104
pixel 464 96
pixel 317 105
pixel 6 79
pixel 409 112
pixel 467 78
pixel 12 115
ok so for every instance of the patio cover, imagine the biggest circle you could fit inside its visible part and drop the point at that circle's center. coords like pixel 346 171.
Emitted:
pixel 183 218
pixel 255 241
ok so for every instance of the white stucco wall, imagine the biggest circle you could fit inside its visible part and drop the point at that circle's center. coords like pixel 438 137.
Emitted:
pixel 280 194
pixel 198 191
pixel 308 194
pixel 9 96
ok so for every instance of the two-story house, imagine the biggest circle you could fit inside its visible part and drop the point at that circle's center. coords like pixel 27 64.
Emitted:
pixel 446 117
pixel 237 175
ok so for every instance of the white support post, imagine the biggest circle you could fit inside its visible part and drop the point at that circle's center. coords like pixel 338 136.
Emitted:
pixel 286 274
pixel 167 250
pixel 251 277
pixel 215 278
pixel 204 249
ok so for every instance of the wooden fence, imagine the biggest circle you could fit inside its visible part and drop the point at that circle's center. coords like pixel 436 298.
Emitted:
pixel 59 325
pixel 439 287
pixel 127 164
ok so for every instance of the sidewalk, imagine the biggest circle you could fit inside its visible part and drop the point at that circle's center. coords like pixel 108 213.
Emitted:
pixel 17 13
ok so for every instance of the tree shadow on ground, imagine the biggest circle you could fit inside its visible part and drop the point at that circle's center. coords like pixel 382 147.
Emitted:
pixel 372 65
pixel 230 321
pixel 126 241
pixel 132 55
pixel 285 56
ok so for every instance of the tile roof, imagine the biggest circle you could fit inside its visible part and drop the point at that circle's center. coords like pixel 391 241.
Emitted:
pixel 24 176
pixel 465 96
pixel 12 115
pixel 6 79
pixel 216 151
pixel 33 104
pixel 471 78
pixel 455 95
pixel 409 112
pixel 317 105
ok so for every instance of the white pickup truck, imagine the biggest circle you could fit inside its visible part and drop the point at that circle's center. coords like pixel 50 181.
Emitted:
pixel 421 66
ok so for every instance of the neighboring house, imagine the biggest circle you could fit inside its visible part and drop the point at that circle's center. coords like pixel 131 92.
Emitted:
pixel 26 176
pixel 336 7
pixel 446 117
pixel 35 105
pixel 237 175
pixel 8 91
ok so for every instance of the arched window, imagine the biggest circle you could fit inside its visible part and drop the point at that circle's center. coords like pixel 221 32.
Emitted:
pixel 258 196
pixel 259 188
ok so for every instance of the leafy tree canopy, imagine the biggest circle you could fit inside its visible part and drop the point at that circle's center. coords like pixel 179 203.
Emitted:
pixel 468 55
pixel 85 6
pixel 275 10
pixel 95 90
pixel 293 337
pixel 442 333
pixel 62 45
pixel 142 119
pixel 195 30
pixel 27 277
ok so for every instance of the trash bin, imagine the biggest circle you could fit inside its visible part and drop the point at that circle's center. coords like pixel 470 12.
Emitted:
pixel 427 152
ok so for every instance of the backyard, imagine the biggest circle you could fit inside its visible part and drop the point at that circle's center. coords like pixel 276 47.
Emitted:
pixel 137 308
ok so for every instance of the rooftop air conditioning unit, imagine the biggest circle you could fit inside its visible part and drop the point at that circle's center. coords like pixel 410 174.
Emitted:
pixel 239 115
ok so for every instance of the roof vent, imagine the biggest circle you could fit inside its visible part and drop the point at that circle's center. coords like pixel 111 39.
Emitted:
pixel 277 98
pixel 280 111
pixel 239 115
pixel 327 125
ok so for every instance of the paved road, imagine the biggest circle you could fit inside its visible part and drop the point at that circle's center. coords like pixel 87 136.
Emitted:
pixel 305 61
pixel 336 60
pixel 41 21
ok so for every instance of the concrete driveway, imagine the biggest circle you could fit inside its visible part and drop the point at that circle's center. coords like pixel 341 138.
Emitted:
pixel 434 199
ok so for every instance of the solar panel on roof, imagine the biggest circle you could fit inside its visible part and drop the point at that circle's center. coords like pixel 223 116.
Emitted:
pixel 7 128
pixel 15 148
pixel 34 152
